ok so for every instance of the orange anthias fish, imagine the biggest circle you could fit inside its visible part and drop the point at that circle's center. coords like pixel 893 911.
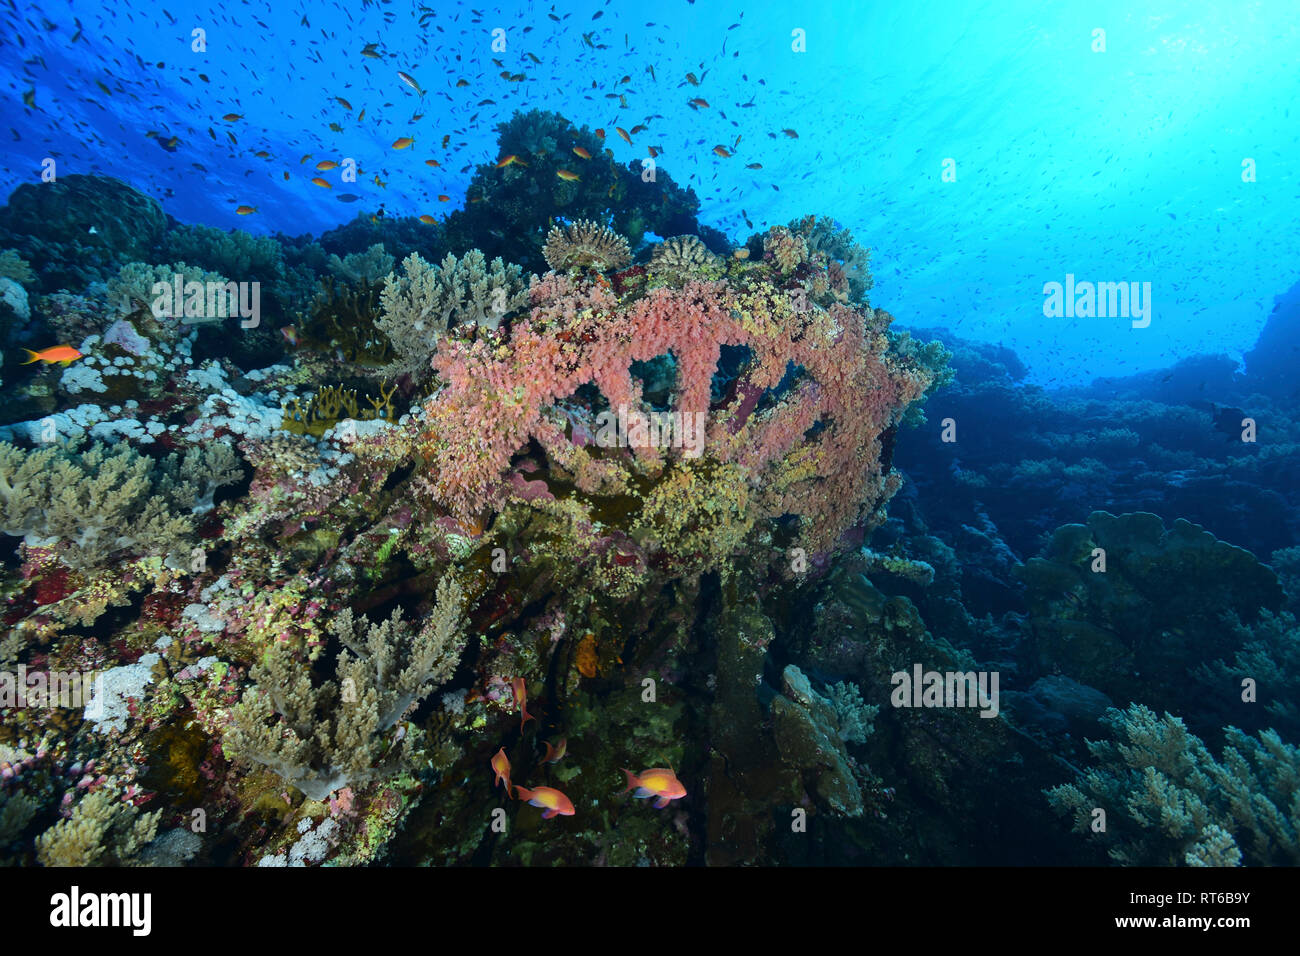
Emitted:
pixel 428 220
pixel 246 210
pixel 520 689
pixel 501 766
pixel 660 783
pixel 59 353
pixel 402 143
pixel 623 133
pixel 325 165
pixel 567 175
pixel 321 182
pixel 700 101
pixel 551 800
pixel 600 135
pixel 510 160
pixel 581 153
pixel 556 754
pixel 722 151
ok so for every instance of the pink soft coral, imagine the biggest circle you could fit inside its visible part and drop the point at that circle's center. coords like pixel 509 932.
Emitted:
pixel 814 452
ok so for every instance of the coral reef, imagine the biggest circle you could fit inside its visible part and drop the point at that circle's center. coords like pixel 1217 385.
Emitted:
pixel 762 464
pixel 683 256
pixel 585 245
pixel 428 300
pixel 512 207
pixel 102 831
pixel 80 228
pixel 1129 626
pixel 86 507
pixel 321 739
pixel 1169 802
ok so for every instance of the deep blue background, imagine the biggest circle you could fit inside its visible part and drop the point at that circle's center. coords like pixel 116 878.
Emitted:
pixel 1116 166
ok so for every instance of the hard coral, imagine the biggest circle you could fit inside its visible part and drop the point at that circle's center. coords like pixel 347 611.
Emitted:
pixel 422 305
pixel 322 738
pixel 585 245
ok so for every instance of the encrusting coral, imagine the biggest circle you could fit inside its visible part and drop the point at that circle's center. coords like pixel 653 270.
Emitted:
pixel 323 738
pixel 585 245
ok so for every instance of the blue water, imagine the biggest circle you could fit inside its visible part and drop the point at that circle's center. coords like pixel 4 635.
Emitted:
pixel 1122 165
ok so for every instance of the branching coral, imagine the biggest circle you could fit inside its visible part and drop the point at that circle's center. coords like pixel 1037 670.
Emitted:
pixel 585 245
pixel 369 266
pixel 849 262
pixel 102 831
pixel 345 318
pixel 428 300
pixel 856 718
pixel 341 733
pixel 786 249
pixel 234 253
pixel 1168 801
pixel 332 404
pixel 93 505
pixel 130 292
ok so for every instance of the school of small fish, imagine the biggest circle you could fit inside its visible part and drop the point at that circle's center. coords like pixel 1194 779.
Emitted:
pixel 658 782
pixel 406 71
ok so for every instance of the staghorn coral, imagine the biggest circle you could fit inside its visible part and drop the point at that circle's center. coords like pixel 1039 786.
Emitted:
pixel 424 303
pixel 585 245
pixel 1169 802
pixel 103 830
pixel 320 739
pixel 91 506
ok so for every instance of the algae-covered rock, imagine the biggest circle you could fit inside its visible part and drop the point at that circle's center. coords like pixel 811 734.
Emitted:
pixel 807 735
pixel 80 228
pixel 1133 626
